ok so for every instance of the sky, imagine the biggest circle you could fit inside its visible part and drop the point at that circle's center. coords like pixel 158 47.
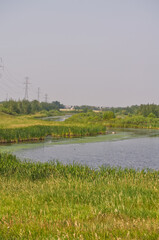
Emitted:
pixel 80 52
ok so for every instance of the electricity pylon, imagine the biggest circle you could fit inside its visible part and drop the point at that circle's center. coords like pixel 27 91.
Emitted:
pixel 38 94
pixel 26 83
pixel 46 97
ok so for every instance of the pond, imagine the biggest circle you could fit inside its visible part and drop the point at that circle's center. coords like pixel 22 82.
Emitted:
pixel 138 149
pixel 57 118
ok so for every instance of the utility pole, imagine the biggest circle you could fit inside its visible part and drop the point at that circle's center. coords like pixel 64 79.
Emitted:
pixel 1 66
pixel 38 94
pixel 26 83
pixel 46 97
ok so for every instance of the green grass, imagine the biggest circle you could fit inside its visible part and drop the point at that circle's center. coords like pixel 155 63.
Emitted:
pixel 134 121
pixel 25 128
pixel 55 201
pixel 39 132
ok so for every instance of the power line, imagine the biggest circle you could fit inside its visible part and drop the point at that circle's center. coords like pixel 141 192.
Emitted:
pixel 14 76
pixel 11 86
pixel 12 79
pixel 7 83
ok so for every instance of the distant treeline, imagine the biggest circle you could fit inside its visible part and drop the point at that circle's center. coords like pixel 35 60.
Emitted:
pixel 146 110
pixel 27 107
pixel 86 108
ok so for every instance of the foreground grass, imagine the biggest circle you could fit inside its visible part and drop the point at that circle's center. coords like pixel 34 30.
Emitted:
pixel 53 201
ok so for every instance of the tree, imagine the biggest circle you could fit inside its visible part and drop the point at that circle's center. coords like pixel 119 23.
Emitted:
pixel 152 115
pixel 108 115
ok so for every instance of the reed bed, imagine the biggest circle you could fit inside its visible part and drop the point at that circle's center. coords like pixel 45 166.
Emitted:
pixel 39 132
pixel 55 201
pixel 135 121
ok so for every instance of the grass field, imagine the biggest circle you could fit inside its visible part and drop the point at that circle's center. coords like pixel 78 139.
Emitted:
pixel 53 201
pixel 9 121
pixel 25 128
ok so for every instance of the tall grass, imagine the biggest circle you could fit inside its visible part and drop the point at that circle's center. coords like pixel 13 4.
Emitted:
pixel 135 121
pixel 11 166
pixel 55 201
pixel 40 132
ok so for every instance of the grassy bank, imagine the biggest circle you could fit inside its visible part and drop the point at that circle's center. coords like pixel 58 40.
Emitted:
pixel 53 201
pixel 26 128
pixel 123 121
pixel 134 122
pixel 39 132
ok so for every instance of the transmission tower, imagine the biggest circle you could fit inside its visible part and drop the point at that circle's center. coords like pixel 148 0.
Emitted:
pixel 46 97
pixel 1 66
pixel 26 83
pixel 38 94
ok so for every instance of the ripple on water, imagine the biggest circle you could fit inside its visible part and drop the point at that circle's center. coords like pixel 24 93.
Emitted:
pixel 135 153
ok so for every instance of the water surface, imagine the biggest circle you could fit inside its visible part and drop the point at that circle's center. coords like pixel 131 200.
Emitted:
pixel 131 148
pixel 56 118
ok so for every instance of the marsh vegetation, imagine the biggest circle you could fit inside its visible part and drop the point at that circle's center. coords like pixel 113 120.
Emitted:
pixel 55 201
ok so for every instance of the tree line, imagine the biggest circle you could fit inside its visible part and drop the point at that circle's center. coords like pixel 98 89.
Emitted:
pixel 27 107
pixel 146 110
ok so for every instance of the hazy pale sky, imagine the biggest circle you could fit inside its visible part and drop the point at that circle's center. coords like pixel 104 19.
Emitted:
pixel 94 52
